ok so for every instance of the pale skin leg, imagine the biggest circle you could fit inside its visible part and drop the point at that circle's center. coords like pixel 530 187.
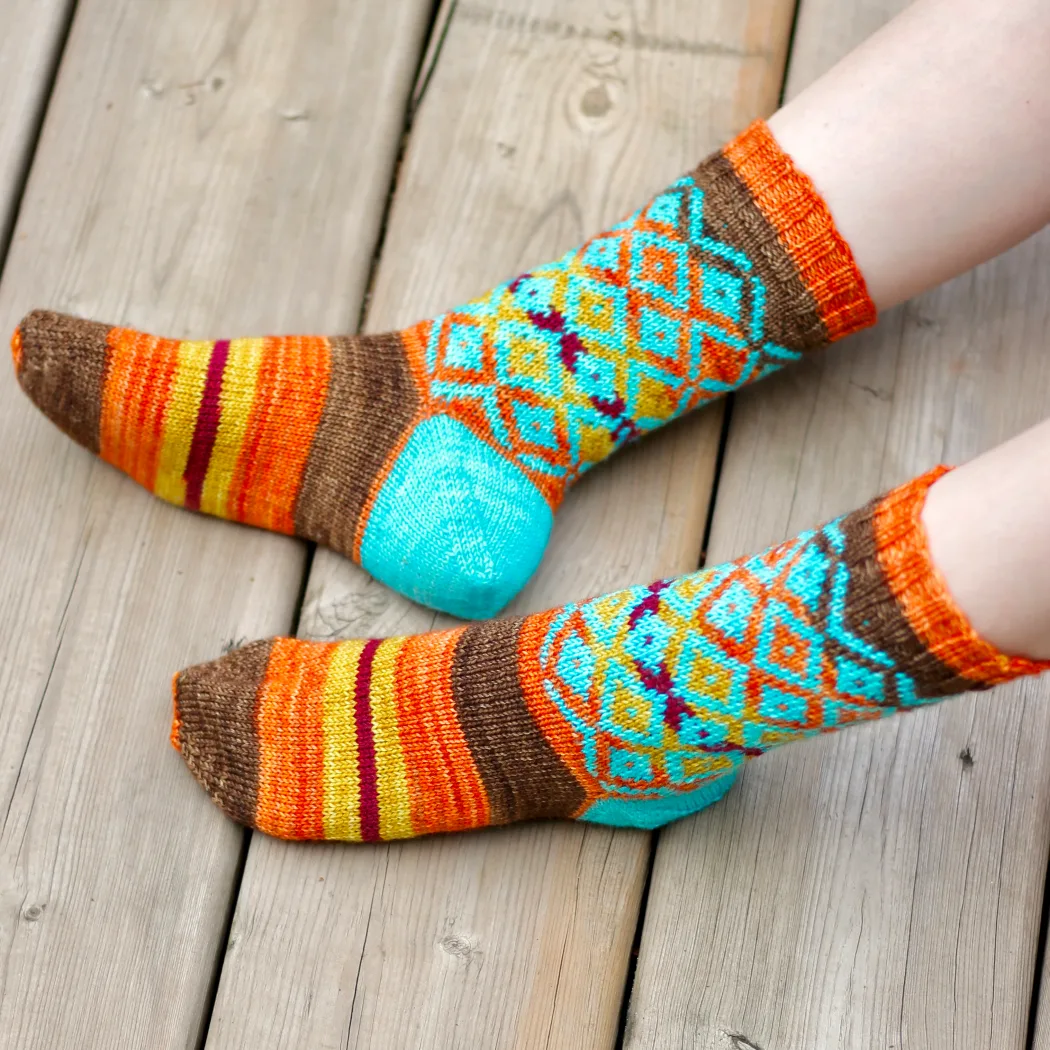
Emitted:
pixel 987 525
pixel 931 141
pixel 931 145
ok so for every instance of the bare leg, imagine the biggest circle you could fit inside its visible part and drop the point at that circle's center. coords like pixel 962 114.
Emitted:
pixel 931 141
pixel 988 534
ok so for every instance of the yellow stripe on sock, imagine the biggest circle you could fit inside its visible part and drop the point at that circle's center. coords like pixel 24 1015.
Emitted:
pixel 239 380
pixel 395 812
pixel 180 420
pixel 342 783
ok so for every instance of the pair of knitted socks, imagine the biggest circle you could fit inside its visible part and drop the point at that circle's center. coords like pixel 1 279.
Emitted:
pixel 436 458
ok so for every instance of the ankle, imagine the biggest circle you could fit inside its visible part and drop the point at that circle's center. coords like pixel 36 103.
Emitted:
pixel 980 521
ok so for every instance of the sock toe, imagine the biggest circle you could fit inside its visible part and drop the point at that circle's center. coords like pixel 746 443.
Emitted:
pixel 60 362
pixel 214 727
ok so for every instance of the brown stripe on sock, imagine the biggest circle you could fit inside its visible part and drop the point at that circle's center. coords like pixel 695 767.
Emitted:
pixel 523 776
pixel 63 370
pixel 215 726
pixel 874 615
pixel 731 215
pixel 371 400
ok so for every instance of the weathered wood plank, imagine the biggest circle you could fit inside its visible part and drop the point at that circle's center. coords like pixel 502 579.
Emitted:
pixel 881 888
pixel 203 167
pixel 542 121
pixel 31 34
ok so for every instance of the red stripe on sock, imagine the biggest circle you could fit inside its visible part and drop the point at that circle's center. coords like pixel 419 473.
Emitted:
pixel 207 427
pixel 366 745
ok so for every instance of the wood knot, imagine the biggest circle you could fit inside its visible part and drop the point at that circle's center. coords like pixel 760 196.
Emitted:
pixel 458 946
pixel 596 101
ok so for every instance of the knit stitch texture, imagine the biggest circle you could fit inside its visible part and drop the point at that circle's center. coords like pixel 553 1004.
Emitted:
pixel 437 455
pixel 632 709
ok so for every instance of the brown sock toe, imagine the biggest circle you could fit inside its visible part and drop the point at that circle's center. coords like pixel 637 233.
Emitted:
pixel 61 363
pixel 214 726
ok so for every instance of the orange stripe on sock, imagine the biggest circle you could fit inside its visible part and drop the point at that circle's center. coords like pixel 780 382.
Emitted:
pixel 791 203
pixel 923 594
pixel 16 349
pixel 290 728
pixel 446 790
pixel 553 724
pixel 289 399
pixel 415 340
pixel 137 390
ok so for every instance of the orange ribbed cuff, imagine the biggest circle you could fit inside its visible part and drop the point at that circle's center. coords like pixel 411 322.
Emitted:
pixel 792 205
pixel 923 595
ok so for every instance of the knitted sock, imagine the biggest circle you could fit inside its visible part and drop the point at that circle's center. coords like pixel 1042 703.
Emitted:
pixel 436 456
pixel 632 709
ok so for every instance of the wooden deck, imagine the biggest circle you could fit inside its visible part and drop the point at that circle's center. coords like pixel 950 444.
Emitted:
pixel 202 167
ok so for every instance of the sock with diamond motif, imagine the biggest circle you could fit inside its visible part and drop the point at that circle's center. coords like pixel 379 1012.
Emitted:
pixel 436 456
pixel 632 709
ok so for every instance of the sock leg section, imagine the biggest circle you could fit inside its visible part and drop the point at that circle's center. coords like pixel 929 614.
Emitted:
pixel 632 709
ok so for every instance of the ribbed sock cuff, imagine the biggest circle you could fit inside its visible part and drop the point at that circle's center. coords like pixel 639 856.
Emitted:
pixel 792 205
pixel 923 595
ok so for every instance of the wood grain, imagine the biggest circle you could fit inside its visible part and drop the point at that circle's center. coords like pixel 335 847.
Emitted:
pixel 540 122
pixel 31 36
pixel 202 167
pixel 881 888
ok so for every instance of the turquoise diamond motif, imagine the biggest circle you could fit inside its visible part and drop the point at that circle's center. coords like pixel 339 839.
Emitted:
pixel 853 679
pixel 630 766
pixel 596 377
pixel 665 209
pixel 779 705
pixel 464 348
pixel 658 334
pixel 731 613
pixel 723 293
pixel 603 254
pixel 647 640
pixel 806 577
pixel 700 732
pixel 536 423
pixel 534 294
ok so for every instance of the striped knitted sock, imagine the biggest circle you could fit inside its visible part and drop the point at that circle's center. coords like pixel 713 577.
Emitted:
pixel 436 456
pixel 632 709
